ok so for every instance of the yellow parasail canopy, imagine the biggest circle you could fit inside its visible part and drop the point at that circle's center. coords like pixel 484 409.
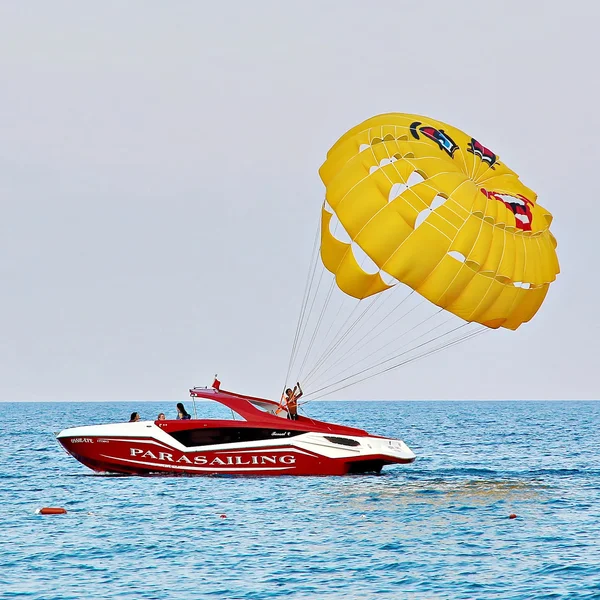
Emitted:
pixel 433 208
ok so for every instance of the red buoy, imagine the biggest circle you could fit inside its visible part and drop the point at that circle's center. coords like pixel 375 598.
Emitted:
pixel 512 516
pixel 223 516
pixel 49 510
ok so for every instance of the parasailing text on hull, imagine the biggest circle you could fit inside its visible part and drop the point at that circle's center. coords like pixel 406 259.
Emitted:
pixel 215 461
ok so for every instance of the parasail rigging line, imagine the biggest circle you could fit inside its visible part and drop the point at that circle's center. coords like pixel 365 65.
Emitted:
pixel 391 358
pixel 371 332
pixel 318 325
pixel 390 355
pixel 335 342
pixel 320 320
pixel 400 364
pixel 392 352
pixel 352 351
pixel 307 290
pixel 326 336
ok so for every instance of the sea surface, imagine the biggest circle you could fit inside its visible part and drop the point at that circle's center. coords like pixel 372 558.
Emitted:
pixel 438 528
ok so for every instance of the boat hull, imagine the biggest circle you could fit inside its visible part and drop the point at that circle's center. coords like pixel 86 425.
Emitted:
pixel 144 448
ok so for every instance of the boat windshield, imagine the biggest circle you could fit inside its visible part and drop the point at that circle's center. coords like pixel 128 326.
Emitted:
pixel 206 409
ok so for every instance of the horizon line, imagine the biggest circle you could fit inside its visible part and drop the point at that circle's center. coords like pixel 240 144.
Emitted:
pixel 314 401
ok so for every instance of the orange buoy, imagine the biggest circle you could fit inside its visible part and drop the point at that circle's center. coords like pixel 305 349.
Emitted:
pixel 48 510
pixel 512 516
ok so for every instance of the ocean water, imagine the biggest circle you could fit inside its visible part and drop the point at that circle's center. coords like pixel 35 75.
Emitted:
pixel 438 528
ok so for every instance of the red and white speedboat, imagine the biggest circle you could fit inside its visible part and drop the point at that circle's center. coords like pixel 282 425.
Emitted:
pixel 260 443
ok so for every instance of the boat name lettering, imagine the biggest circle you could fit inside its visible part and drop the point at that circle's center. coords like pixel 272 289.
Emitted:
pixel 222 461
pixel 82 441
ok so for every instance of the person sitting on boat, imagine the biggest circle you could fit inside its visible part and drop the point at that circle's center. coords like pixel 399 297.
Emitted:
pixel 291 401
pixel 161 417
pixel 182 413
pixel 134 417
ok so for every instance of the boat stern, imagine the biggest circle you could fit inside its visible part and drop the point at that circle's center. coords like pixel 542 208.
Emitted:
pixel 395 450
pixel 379 452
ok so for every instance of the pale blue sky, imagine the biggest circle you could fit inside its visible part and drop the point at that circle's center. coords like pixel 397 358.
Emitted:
pixel 159 185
